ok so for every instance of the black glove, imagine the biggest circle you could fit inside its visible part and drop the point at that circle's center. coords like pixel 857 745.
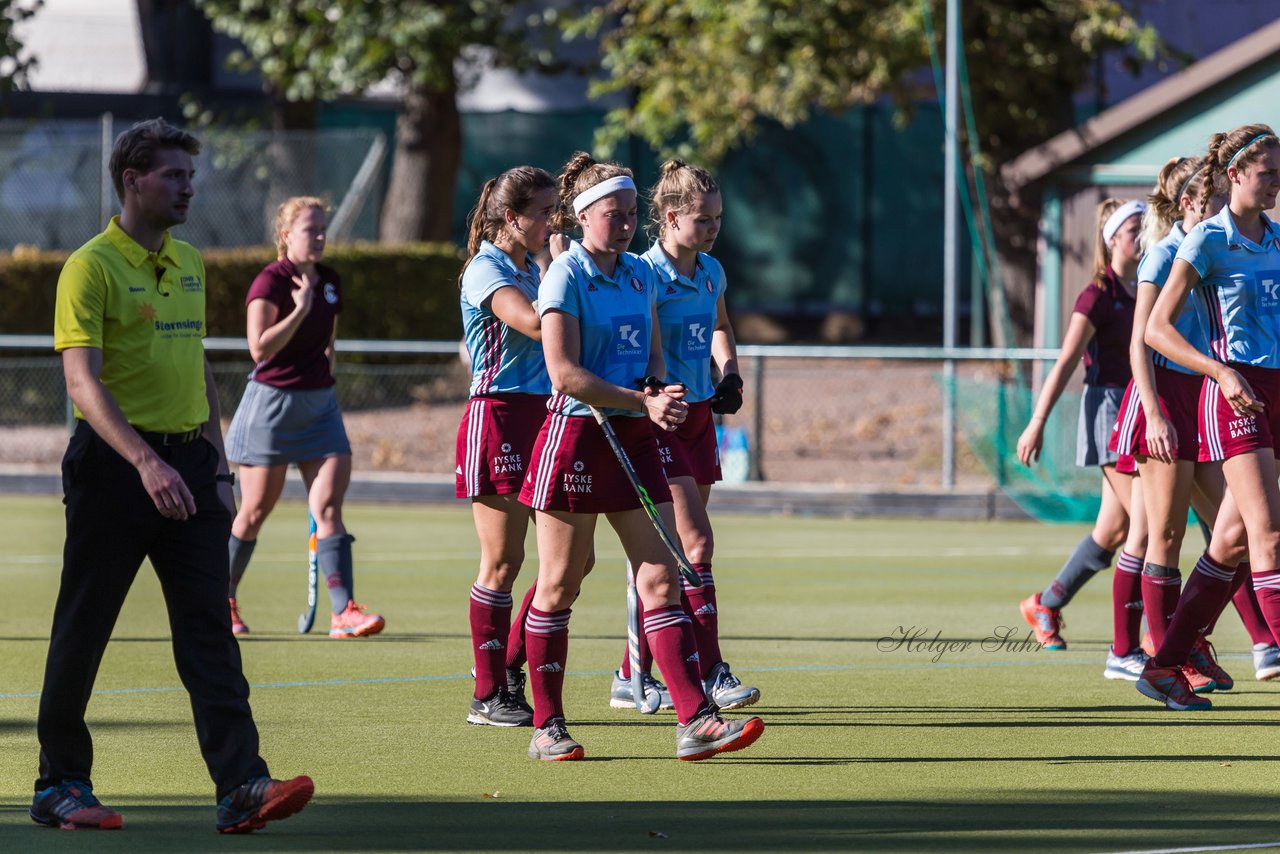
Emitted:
pixel 728 397
pixel 650 382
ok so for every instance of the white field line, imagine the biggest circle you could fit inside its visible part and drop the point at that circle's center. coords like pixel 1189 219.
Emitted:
pixel 726 555
pixel 1250 846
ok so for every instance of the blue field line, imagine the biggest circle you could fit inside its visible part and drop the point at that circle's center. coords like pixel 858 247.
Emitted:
pixel 392 680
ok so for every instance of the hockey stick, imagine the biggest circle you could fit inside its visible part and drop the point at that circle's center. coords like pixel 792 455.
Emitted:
pixel 645 704
pixel 305 621
pixel 645 501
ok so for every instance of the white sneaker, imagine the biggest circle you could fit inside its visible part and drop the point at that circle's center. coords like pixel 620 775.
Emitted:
pixel 1266 661
pixel 726 690
pixel 1126 667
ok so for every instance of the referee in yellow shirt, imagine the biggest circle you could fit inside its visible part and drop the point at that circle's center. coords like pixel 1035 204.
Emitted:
pixel 145 476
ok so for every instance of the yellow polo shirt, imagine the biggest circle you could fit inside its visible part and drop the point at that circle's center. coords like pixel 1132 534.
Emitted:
pixel 145 312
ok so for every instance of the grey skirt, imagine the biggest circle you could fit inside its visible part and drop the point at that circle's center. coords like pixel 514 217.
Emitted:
pixel 276 426
pixel 1099 408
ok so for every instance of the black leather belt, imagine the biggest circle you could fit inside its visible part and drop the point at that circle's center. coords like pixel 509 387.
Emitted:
pixel 166 439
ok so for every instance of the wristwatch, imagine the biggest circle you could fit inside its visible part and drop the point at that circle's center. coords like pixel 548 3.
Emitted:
pixel 230 478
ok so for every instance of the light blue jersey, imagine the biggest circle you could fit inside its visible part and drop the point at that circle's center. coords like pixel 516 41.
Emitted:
pixel 1190 323
pixel 687 317
pixel 502 359
pixel 1239 289
pixel 615 318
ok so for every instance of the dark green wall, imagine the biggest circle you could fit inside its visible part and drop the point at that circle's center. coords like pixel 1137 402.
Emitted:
pixel 842 212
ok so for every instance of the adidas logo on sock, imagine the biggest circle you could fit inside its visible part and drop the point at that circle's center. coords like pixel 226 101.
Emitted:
pixel 457 470
pixel 553 667
pixel 492 644
pixel 1133 606
pixel 693 657
pixel 707 610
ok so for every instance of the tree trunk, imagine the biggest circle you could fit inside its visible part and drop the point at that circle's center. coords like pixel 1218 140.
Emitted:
pixel 1016 234
pixel 424 169
pixel 291 153
pixel 177 45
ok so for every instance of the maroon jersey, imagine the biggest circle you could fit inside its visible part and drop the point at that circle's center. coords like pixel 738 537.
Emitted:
pixel 301 363
pixel 1110 310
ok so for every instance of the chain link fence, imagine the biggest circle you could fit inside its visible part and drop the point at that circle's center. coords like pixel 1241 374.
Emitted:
pixel 55 190
pixel 854 417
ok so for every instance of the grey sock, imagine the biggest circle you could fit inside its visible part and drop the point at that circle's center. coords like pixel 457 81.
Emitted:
pixel 334 557
pixel 239 551
pixel 1084 563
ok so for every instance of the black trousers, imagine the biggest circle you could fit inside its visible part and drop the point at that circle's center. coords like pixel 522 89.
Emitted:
pixel 112 524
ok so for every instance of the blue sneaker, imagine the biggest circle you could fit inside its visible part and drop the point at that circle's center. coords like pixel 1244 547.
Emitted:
pixel 70 805
pixel 1127 667
pixel 251 805
pixel 620 696
pixel 1266 661
pixel 726 691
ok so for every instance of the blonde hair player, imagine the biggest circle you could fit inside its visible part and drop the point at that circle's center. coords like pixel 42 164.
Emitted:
pixel 686 208
pixel 1099 330
pixel 289 412
pixel 1157 424
pixel 600 340
pixel 1232 261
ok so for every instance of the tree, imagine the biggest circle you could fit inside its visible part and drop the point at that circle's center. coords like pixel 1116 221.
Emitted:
pixel 15 64
pixel 309 50
pixel 701 74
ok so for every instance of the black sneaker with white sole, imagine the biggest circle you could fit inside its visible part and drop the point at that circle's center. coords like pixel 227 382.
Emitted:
pixel 501 709
pixel 515 687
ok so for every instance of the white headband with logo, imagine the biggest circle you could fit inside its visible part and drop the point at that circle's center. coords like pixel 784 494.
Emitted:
pixel 599 191
pixel 1118 216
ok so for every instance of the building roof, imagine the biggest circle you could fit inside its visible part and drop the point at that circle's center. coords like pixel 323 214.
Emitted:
pixel 1214 70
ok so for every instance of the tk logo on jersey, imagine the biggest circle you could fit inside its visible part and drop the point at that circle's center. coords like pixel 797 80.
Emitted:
pixel 1268 282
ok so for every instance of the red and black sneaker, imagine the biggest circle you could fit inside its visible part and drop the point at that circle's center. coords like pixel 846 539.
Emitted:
pixel 1204 660
pixel 1169 685
pixel 71 806
pixel 709 734
pixel 250 806
pixel 1046 622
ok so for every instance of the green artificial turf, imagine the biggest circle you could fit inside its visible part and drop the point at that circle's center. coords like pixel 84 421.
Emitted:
pixel 870 744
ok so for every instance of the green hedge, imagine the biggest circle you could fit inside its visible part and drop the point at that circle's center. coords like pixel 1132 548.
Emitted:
pixel 392 292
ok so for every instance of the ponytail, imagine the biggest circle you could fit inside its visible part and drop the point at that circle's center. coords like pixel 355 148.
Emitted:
pixel 1178 178
pixel 678 185
pixel 1239 148
pixel 476 219
pixel 581 173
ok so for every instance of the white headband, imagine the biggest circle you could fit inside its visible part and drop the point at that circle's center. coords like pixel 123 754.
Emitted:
pixel 1118 216
pixel 599 191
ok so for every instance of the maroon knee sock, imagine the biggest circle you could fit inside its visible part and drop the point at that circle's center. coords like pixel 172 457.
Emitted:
pixel 490 624
pixel 1126 604
pixel 516 655
pixel 547 643
pixel 670 634
pixel 1267 587
pixel 700 603
pixel 1246 602
pixel 1160 588
pixel 1206 594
